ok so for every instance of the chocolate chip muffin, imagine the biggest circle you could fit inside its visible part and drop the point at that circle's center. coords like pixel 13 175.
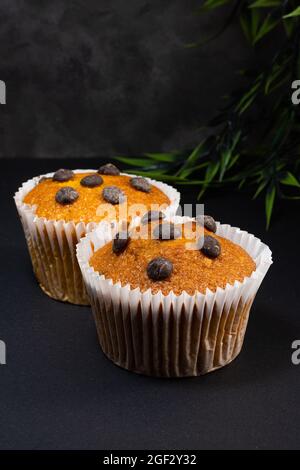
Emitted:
pixel 172 297
pixel 85 197
pixel 164 263
pixel 57 209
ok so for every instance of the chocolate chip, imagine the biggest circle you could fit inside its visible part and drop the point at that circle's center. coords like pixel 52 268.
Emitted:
pixel 208 222
pixel 91 181
pixel 159 269
pixel 113 195
pixel 109 169
pixel 211 247
pixel 152 216
pixel 140 184
pixel 66 195
pixel 63 175
pixel 166 231
pixel 120 242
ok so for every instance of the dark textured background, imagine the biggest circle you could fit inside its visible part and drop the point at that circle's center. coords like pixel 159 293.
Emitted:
pixel 99 77
pixel 59 391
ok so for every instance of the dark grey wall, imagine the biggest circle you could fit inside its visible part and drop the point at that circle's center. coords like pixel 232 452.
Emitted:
pixel 100 77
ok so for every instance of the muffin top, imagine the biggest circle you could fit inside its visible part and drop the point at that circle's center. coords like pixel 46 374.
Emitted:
pixel 173 258
pixel 92 197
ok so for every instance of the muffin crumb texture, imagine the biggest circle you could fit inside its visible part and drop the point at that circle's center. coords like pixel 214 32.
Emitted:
pixel 192 269
pixel 91 195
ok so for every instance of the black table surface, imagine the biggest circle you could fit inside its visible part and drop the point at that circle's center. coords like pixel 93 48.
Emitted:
pixel 58 390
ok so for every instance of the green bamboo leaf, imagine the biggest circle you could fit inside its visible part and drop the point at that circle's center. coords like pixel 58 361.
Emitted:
pixel 226 24
pixel 233 161
pixel 246 27
pixel 289 27
pixel 290 180
pixel 225 159
pixel 157 175
pixel 268 24
pixel 211 4
pixel 277 71
pixel 235 140
pixel 278 84
pixel 185 173
pixel 255 20
pixel 269 204
pixel 248 97
pixel 291 198
pixel 248 104
pixel 163 157
pixel 293 13
pixel 195 153
pixel 192 158
pixel 260 188
pixel 241 183
pixel 210 173
pixel 265 3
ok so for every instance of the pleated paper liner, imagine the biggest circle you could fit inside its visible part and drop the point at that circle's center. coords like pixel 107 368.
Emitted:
pixel 172 335
pixel 52 244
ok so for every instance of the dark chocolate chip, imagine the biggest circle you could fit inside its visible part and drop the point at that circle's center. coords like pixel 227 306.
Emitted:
pixel 120 242
pixel 152 216
pixel 140 184
pixel 166 231
pixel 113 195
pixel 211 247
pixel 63 175
pixel 91 181
pixel 208 222
pixel 66 195
pixel 159 269
pixel 109 169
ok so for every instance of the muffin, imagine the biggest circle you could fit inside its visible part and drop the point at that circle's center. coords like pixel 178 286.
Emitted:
pixel 174 302
pixel 59 208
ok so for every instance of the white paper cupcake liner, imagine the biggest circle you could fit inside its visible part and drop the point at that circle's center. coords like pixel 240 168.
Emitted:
pixel 172 335
pixel 52 243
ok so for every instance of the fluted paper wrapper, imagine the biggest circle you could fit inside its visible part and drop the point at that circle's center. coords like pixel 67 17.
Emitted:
pixel 172 336
pixel 52 244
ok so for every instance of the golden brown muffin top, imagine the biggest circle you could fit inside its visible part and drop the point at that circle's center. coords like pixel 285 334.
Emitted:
pixel 87 203
pixel 192 270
